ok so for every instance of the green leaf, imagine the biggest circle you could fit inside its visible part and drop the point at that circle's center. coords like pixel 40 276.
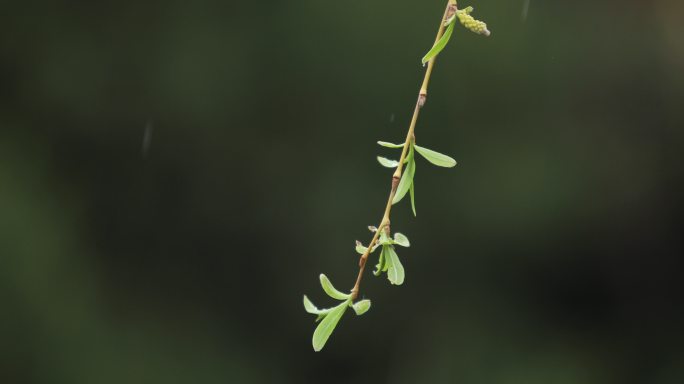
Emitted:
pixel 360 249
pixel 381 263
pixel 412 193
pixel 439 45
pixel 401 239
pixel 385 267
pixel 387 162
pixel 312 309
pixel 436 158
pixel 327 326
pixel 390 145
pixel 361 307
pixel 406 179
pixel 309 307
pixel 395 272
pixel 331 291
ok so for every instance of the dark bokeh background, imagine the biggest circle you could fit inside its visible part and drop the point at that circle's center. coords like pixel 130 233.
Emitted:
pixel 175 175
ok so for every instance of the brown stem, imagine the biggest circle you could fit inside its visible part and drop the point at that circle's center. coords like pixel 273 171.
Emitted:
pixel 410 137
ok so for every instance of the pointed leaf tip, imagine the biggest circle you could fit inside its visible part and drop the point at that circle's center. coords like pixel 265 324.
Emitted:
pixel 309 307
pixel 412 193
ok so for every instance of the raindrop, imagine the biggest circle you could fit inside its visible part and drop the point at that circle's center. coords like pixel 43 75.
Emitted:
pixel 525 9
pixel 147 139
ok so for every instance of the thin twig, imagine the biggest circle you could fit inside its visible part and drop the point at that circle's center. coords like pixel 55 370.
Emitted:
pixel 410 137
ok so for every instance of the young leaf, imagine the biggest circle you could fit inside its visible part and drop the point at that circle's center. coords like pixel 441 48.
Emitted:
pixel 330 290
pixel 387 162
pixel 309 307
pixel 439 45
pixel 395 272
pixel 385 267
pixel 390 145
pixel 381 263
pixel 384 238
pixel 412 193
pixel 327 326
pixel 401 240
pixel 436 158
pixel 361 307
pixel 360 249
pixel 406 179
pixel 312 309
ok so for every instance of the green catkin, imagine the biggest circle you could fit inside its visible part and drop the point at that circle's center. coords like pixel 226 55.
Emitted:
pixel 470 23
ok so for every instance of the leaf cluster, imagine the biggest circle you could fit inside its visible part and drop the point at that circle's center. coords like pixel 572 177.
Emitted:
pixel 407 184
pixel 388 260
pixel 329 317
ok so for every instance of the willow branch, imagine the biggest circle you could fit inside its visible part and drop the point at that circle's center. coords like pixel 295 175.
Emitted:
pixel 410 137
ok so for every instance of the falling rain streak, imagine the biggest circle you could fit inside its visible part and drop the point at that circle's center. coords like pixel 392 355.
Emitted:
pixel 525 9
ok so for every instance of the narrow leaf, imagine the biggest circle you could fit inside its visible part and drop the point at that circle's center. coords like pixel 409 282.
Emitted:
pixel 439 45
pixel 406 180
pixel 381 263
pixel 361 307
pixel 387 162
pixel 311 308
pixel 436 158
pixel 412 193
pixel 330 289
pixel 360 249
pixel 395 272
pixel 390 145
pixel 327 326
pixel 401 239
pixel 386 266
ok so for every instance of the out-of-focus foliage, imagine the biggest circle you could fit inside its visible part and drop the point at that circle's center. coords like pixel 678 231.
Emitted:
pixel 173 173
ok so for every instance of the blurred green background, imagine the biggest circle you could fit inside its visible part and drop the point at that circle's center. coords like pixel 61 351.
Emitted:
pixel 175 175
